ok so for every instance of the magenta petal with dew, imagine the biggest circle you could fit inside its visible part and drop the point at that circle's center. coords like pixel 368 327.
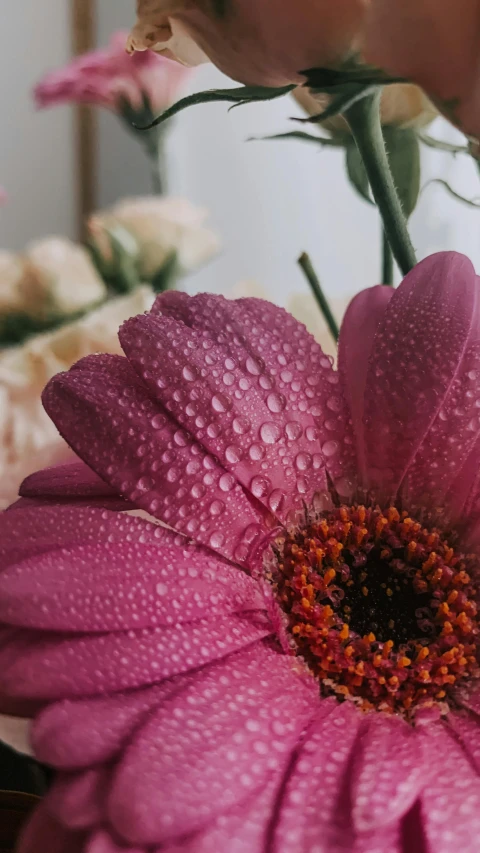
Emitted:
pixel 114 587
pixel 313 809
pixel 73 480
pixel 51 668
pixel 453 440
pixel 387 773
pixel 417 351
pixel 466 729
pixel 37 530
pixel 72 735
pixel 450 801
pixel 214 392
pixel 105 413
pixel 282 363
pixel 243 829
pixel 77 800
pixel 211 746
pixel 354 349
pixel 43 834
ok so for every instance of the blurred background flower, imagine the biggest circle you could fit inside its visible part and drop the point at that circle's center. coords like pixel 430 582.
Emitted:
pixel 28 439
pixel 137 88
pixel 163 236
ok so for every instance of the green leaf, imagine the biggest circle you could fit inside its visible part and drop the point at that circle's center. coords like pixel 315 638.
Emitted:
pixel 238 95
pixel 403 150
pixel 322 141
pixel 166 277
pixel 356 172
pixel 471 202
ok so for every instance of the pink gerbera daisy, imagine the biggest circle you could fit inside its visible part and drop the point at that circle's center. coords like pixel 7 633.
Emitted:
pixel 291 665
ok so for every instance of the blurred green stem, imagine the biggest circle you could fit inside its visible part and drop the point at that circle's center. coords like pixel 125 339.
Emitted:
pixel 156 154
pixel 387 261
pixel 364 120
pixel 314 282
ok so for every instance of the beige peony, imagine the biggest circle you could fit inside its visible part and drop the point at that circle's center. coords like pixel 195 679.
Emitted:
pixel 304 308
pixel 403 105
pixel 28 439
pixel 52 277
pixel 160 227
pixel 62 275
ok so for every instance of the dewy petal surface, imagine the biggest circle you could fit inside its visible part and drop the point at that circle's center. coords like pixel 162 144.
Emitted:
pixel 211 746
pixel 74 479
pixel 107 416
pixel 242 412
pixel 418 350
pixel 72 735
pixel 355 346
pixel 51 668
pixel 387 773
pixel 112 587
pixel 77 799
pixel 451 798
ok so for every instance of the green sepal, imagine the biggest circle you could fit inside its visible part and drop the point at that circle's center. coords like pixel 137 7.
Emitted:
pixel 343 97
pixel 166 277
pixel 322 141
pixel 239 95
pixel 352 71
pixel 356 172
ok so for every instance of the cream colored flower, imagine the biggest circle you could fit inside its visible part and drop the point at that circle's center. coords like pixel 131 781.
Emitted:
pixel 62 277
pixel 12 271
pixel 15 732
pixel 28 438
pixel 161 227
pixel 403 105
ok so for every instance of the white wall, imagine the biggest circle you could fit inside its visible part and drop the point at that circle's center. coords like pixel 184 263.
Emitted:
pixel 269 200
pixel 36 159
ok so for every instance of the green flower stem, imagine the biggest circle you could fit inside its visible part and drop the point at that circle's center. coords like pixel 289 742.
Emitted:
pixel 313 280
pixel 364 119
pixel 387 261
pixel 156 155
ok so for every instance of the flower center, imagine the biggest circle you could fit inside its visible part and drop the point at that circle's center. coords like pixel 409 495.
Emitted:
pixel 382 609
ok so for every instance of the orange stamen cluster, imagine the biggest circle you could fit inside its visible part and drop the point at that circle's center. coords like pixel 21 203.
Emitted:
pixel 382 609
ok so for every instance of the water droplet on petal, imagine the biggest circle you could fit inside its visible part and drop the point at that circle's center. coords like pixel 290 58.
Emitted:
pixel 330 448
pixel 276 402
pixel 260 486
pixel 190 373
pixel 293 431
pixel 226 482
pixel 269 433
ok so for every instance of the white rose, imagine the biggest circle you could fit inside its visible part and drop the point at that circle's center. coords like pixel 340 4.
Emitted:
pixel 161 227
pixel 12 271
pixel 62 277
pixel 28 438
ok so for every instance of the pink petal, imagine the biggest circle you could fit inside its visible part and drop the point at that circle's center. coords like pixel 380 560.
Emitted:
pixel 244 829
pixel 453 439
pixel 102 842
pixel 43 834
pixel 417 353
pixel 211 746
pixel 314 809
pixel 77 800
pixel 359 325
pixel 451 799
pixel 387 769
pixel 37 530
pixel 466 729
pixel 72 735
pixel 283 366
pixel 73 480
pixel 105 413
pixel 52 668
pixel 113 587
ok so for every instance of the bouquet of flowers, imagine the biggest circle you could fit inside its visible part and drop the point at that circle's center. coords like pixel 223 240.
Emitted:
pixel 244 618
